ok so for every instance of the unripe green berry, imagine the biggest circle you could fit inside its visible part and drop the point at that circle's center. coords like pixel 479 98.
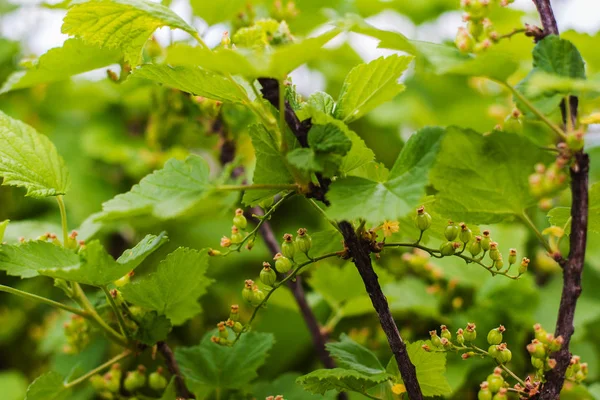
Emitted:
pixel 556 344
pixel 460 338
pixel 486 241
pixel 435 339
pixel 288 247
pixel 238 327
pixel 499 263
pixel 423 219
pixel 135 380
pixel 234 314
pixel 495 335
pixel 504 354
pixel 470 332
pixel 493 351
pixel 282 263
pixel 223 334
pixel 258 295
pixel 451 231
pixel 303 241
pixel 240 220
pixel 475 247
pixel 465 234
pixel 495 381
pixel 112 384
pixel 445 333
pixel 267 275
pixel 536 349
pixel 98 382
pixel 157 381
pixel 512 256
pixel 236 236
pixel 575 140
pixel 537 363
pixel 524 265
pixel 484 394
pixel 247 292
pixel 541 334
pixel 501 395
pixel 449 248
pixel 494 252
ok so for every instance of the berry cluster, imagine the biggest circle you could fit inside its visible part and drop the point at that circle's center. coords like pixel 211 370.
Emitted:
pixel 253 294
pixel 77 333
pixel 238 234
pixel 459 237
pixel 112 383
pixel 479 34
pixel 546 181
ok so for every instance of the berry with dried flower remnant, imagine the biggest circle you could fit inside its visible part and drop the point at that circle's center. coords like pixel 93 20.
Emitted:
pixel 267 275
pixel 288 247
pixel 303 241
pixel 282 263
pixel 451 231
pixel 470 332
pixel 240 220
pixel 423 219
pixel 495 335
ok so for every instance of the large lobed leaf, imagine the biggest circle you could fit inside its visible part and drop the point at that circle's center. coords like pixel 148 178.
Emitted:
pixel 357 197
pixel 173 290
pixel 431 369
pixel 166 193
pixel 194 80
pixel 91 266
pixel 561 216
pixel 370 85
pixel 73 58
pixel 352 355
pixel 341 380
pixel 210 366
pixel 30 160
pixel 120 24
pixel 48 387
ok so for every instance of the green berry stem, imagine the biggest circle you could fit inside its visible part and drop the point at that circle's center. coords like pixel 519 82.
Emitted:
pixel 277 285
pixel 238 246
pixel 44 300
pixel 525 218
pixel 436 253
pixel 98 369
pixel 117 311
pixel 534 110
pixel 80 298
pixel 63 218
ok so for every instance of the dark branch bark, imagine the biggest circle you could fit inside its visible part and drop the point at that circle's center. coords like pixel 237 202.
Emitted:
pixel 360 251
pixel 573 265
pixel 270 91
pixel 171 363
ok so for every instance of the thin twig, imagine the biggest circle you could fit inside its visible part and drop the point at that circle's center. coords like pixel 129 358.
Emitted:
pixel 96 370
pixel 44 300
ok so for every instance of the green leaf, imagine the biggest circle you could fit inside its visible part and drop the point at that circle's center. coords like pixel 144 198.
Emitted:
pixel 561 216
pixel 321 102
pixel 30 160
pixel 339 379
pixel 173 290
pixel 27 259
pixel 132 258
pixel 275 62
pixel 170 392
pixel 60 63
pixel 559 57
pixel 152 328
pixel 194 80
pixel 352 355
pixel 166 193
pixel 484 179
pixel 48 387
pixel 370 85
pixel 431 369
pixel 356 197
pixel 120 24
pixel 211 366
pixel 97 268
pixel 337 285
pixel 271 166
pixel 543 83
pixel 328 138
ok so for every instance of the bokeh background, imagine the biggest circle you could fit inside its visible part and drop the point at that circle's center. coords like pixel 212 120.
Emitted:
pixel 112 135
